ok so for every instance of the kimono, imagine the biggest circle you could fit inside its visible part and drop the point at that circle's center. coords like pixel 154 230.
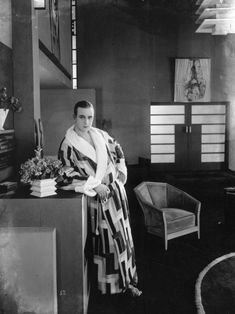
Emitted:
pixel 87 167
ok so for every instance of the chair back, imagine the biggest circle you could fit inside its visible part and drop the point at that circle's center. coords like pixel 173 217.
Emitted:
pixel 158 193
pixel 175 197
pixel 142 193
pixel 154 193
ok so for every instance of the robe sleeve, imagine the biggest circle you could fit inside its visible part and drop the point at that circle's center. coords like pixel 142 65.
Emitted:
pixel 74 177
pixel 117 156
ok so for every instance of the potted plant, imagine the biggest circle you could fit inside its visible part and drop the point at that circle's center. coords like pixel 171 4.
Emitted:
pixel 41 173
pixel 7 103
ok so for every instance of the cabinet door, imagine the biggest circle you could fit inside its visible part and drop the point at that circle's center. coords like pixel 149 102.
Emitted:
pixel 188 137
pixel 209 120
pixel 194 147
pixel 166 123
pixel 182 161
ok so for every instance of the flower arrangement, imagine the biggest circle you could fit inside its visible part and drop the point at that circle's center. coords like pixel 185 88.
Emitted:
pixel 9 102
pixel 40 167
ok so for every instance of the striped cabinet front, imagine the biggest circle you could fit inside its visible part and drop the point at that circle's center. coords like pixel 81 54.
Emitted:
pixel 188 136
pixel 212 119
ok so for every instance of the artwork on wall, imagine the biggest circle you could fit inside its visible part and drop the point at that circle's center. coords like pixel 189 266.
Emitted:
pixel 192 80
pixel 54 26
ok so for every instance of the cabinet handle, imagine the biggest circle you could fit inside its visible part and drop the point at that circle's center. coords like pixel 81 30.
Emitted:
pixel 190 129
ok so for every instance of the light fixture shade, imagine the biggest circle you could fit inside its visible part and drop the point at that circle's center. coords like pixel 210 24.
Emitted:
pixel 216 16
pixel 39 4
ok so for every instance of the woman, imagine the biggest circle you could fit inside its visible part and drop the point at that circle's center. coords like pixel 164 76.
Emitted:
pixel 94 165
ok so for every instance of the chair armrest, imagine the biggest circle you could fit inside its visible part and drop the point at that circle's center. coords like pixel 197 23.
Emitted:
pixel 191 204
pixel 154 217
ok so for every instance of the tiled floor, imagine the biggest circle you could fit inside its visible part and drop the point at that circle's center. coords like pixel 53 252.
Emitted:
pixel 168 278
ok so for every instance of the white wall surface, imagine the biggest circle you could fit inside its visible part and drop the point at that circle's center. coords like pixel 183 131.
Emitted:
pixel 5 23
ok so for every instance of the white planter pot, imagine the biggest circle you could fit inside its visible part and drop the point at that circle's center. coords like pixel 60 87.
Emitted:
pixel 43 188
pixel 3 116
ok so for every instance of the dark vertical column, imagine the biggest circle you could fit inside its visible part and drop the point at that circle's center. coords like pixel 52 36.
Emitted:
pixel 25 75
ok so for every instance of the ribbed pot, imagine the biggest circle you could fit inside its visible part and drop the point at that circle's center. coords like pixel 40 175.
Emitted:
pixel 3 116
pixel 43 188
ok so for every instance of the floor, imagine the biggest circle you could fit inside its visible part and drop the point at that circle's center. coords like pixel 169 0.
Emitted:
pixel 168 278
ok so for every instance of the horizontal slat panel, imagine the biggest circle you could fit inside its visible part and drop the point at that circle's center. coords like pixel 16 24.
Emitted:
pixel 214 128
pixel 164 158
pixel 167 119
pixel 207 109
pixel 213 138
pixel 212 157
pixel 167 109
pixel 161 129
pixel 162 139
pixel 213 148
pixel 208 119
pixel 156 149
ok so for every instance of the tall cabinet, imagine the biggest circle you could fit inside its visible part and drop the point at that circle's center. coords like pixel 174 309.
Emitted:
pixel 7 153
pixel 188 136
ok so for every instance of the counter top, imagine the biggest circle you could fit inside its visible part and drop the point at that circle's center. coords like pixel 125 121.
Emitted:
pixel 23 191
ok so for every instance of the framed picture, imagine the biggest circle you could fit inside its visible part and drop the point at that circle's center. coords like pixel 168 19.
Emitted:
pixel 192 80
pixel 54 26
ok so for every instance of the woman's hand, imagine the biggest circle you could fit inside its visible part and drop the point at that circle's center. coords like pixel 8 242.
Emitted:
pixel 103 191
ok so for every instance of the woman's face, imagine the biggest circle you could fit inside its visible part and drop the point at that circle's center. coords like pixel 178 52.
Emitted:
pixel 84 119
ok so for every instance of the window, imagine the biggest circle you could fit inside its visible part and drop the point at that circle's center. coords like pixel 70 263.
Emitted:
pixel 74 43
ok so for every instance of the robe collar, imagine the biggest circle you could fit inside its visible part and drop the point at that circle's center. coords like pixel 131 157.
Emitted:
pixel 98 154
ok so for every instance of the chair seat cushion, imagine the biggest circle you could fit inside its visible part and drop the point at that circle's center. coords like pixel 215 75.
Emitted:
pixel 178 219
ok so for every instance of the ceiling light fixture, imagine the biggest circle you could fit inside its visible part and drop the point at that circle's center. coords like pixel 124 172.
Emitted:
pixel 216 17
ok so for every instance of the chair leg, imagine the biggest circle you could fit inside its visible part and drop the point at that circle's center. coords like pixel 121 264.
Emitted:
pixel 198 233
pixel 165 244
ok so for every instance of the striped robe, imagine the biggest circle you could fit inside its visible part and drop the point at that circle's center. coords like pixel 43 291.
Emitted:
pixel 87 167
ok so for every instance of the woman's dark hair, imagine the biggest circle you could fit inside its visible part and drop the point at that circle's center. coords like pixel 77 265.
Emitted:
pixel 82 104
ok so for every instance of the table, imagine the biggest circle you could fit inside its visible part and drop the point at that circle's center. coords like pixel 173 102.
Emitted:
pixel 229 208
pixel 67 214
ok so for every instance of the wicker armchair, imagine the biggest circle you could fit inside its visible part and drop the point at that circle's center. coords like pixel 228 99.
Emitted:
pixel 169 212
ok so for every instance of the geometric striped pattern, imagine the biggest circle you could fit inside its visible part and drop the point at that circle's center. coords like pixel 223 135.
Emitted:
pixel 113 249
pixel 115 256
pixel 213 131
pixel 163 119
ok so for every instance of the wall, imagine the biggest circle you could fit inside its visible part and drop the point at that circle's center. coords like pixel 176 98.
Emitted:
pixel 5 67
pixel 6 53
pixel 191 44
pixel 221 50
pixel 25 75
pixel 129 65
pixel 5 45
pixel 5 23
pixel 225 78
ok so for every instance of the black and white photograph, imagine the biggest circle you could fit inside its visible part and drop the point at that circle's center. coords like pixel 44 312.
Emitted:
pixel 117 156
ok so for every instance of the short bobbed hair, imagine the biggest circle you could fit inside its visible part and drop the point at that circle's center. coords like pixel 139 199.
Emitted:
pixel 82 104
